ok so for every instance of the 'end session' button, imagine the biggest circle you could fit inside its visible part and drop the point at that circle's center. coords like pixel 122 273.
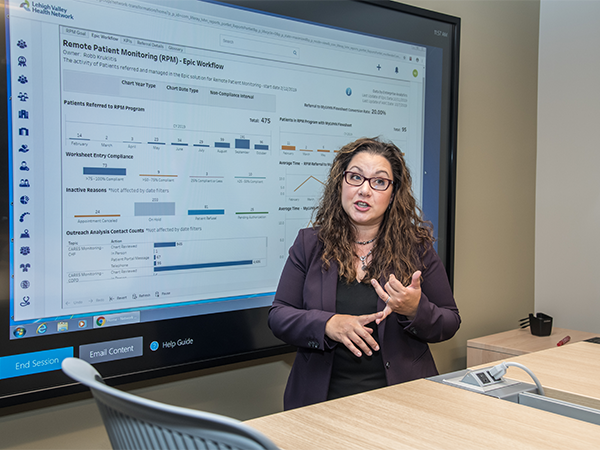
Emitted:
pixel 36 362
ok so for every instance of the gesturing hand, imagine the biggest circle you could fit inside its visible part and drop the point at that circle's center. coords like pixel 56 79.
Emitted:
pixel 352 332
pixel 399 298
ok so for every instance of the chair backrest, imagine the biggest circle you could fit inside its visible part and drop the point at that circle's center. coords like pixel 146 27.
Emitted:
pixel 134 422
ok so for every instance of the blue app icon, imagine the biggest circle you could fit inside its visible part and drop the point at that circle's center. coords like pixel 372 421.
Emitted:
pixel 42 329
pixel 153 346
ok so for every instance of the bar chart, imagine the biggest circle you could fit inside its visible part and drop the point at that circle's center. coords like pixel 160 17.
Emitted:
pixel 209 254
pixel 85 135
pixel 326 145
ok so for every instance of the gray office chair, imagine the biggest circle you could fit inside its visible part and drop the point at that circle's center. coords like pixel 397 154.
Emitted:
pixel 134 422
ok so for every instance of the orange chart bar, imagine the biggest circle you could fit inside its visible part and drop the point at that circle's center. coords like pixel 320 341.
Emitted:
pixel 98 215
pixel 288 147
pixel 323 150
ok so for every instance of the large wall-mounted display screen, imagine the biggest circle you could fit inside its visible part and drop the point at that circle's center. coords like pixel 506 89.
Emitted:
pixel 159 157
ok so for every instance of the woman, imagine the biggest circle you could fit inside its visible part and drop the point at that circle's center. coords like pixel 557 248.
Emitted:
pixel 363 292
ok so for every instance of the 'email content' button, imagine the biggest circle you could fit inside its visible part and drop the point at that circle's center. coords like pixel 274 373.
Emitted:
pixel 112 350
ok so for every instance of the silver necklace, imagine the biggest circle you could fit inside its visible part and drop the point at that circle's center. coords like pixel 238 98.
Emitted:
pixel 365 242
pixel 363 259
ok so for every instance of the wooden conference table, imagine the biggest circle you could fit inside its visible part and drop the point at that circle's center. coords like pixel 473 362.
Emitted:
pixel 427 415
pixel 570 373
pixel 508 344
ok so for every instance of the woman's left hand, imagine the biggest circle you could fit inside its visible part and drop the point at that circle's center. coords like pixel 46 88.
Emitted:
pixel 399 298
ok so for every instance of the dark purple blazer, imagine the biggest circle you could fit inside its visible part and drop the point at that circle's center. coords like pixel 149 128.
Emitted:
pixel 305 301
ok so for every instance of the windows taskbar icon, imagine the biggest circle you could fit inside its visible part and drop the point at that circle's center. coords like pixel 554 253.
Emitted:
pixel 44 327
pixel 19 332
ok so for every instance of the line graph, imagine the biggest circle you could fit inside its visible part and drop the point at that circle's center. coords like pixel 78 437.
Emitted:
pixel 307 180
pixel 304 185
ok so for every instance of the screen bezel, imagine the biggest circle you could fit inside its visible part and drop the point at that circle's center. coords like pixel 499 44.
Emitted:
pixel 58 384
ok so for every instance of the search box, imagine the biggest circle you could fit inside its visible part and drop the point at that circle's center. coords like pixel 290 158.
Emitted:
pixel 259 46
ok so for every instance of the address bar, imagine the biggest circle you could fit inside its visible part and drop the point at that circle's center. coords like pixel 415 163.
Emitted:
pixel 258 46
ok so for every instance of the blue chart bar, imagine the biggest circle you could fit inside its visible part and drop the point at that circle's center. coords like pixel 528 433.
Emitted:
pixel 261 147
pixel 103 171
pixel 164 244
pixel 157 143
pixel 201 145
pixel 205 212
pixel 242 143
pixel 222 144
pixel 179 143
pixel 246 262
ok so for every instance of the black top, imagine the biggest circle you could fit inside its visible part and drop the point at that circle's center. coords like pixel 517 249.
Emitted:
pixel 349 374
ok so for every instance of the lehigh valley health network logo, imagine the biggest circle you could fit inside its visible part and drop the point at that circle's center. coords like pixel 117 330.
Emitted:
pixel 46 9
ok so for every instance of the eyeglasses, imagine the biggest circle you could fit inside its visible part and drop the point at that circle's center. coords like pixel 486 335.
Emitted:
pixel 376 183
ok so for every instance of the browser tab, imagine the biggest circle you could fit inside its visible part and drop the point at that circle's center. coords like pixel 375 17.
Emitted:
pixel 112 320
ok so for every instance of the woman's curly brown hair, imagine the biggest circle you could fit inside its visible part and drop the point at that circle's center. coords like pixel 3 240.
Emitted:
pixel 403 236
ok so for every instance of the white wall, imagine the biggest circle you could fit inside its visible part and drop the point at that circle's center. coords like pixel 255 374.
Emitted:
pixel 567 248
pixel 495 204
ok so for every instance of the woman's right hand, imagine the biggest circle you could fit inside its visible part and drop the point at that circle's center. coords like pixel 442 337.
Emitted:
pixel 353 332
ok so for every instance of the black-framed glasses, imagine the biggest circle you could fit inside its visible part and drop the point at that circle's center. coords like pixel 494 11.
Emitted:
pixel 376 183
